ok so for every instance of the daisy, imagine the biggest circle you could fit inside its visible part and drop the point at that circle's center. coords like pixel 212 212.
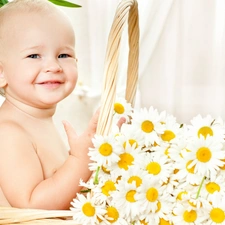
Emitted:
pixel 149 124
pixel 217 212
pixel 106 150
pixel 112 217
pixel 128 133
pixel 171 129
pixel 191 194
pixel 163 212
pixel 184 216
pixel 158 167
pixel 122 109
pixel 86 211
pixel 125 200
pixel 211 186
pixel 207 126
pixel 183 172
pixel 205 155
pixel 149 194
pixel 134 175
pixel 130 156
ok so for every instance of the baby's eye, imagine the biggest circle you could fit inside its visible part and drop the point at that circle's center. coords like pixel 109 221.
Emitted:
pixel 63 56
pixel 33 56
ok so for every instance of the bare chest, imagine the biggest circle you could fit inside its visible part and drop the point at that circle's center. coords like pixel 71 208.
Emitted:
pixel 51 151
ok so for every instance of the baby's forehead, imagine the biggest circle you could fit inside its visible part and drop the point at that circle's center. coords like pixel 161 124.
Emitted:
pixel 28 17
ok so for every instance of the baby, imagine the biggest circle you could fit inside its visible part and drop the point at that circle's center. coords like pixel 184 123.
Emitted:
pixel 38 69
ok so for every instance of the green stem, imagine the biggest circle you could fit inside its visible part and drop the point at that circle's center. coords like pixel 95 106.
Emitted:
pixel 96 181
pixel 200 187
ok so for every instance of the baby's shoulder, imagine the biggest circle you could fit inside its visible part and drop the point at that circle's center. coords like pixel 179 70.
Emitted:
pixel 13 139
pixel 11 133
pixel 8 126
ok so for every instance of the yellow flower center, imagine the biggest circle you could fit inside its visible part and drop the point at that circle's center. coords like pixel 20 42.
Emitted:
pixel 147 126
pixel 152 194
pixel 137 180
pixel 130 196
pixel 107 187
pixel 190 216
pixel 166 152
pixel 119 108
pixel 143 222
pixel 131 142
pixel 203 154
pixel 113 213
pixel 223 167
pixel 190 170
pixel 126 160
pixel 88 209
pixel 106 149
pixel 217 215
pixel 204 131
pixel 158 206
pixel 168 135
pixel 164 222
pixel 179 196
pixel 211 187
pixel 153 168
pixel 105 170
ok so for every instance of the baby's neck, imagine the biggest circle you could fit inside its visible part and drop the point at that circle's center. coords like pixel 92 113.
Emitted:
pixel 31 111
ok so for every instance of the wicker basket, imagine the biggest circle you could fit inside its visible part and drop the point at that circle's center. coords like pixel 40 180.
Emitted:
pixel 127 11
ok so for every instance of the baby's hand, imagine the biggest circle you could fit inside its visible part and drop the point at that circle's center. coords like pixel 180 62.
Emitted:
pixel 79 145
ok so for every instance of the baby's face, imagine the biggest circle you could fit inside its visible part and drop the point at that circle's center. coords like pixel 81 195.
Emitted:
pixel 39 62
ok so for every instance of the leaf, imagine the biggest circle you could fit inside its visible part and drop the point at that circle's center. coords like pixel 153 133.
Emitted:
pixel 3 2
pixel 64 3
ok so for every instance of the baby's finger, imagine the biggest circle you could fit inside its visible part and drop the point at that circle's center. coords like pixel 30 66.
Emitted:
pixel 91 129
pixel 70 132
pixel 121 121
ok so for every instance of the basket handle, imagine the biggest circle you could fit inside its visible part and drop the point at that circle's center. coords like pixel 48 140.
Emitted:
pixel 127 10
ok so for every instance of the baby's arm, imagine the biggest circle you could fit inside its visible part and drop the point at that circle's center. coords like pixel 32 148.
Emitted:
pixel 21 176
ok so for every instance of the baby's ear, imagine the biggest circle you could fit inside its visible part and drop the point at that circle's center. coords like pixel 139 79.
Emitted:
pixel 3 81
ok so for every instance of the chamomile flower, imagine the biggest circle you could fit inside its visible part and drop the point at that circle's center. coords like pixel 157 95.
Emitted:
pixel 130 156
pixel 205 155
pixel 217 212
pixel 158 167
pixel 86 211
pixel 149 194
pixel 122 108
pixel 148 122
pixel 210 186
pixel 184 172
pixel 128 133
pixel 190 196
pixel 171 128
pixel 207 126
pixel 163 212
pixel 112 217
pixel 125 200
pixel 106 150
pixel 184 216
pixel 134 175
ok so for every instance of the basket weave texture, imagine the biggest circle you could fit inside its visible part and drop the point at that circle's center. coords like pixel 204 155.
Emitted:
pixel 126 14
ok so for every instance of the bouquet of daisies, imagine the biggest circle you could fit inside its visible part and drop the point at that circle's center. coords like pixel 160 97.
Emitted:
pixel 155 171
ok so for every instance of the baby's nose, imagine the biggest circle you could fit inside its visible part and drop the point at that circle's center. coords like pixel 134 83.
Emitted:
pixel 53 66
